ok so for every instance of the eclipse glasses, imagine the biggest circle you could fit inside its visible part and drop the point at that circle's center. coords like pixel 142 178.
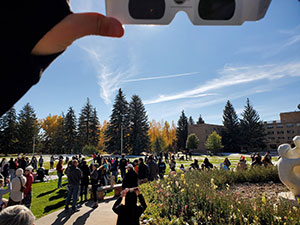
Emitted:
pixel 200 12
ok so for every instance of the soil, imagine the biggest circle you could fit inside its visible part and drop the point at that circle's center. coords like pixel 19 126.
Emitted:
pixel 249 190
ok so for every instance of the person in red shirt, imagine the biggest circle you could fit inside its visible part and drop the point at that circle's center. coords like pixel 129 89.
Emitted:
pixel 28 191
pixel 60 170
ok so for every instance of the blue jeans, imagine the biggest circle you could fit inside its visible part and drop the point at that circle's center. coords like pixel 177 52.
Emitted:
pixel 115 173
pixel 27 200
pixel 72 193
pixel 60 175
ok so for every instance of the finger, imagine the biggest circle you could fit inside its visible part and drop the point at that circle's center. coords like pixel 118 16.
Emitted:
pixel 75 26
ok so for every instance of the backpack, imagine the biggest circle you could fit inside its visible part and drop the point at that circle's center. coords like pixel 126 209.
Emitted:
pixel 23 187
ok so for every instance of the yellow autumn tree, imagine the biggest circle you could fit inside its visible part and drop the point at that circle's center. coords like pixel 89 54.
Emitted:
pixel 102 137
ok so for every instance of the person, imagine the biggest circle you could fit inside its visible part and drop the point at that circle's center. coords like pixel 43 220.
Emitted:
pixel 74 174
pixel 195 165
pixel 242 164
pixel 136 165
pixel 142 172
pixel 22 162
pixel 41 161
pixel 161 168
pixel 84 180
pixel 28 191
pixel 114 168
pixel 33 162
pixel 50 27
pixel 94 182
pixel 153 169
pixel 267 160
pixel 206 164
pixel 5 172
pixel 16 215
pixel 3 203
pixel 51 161
pixel 12 168
pixel 2 164
pixel 129 213
pixel 59 170
pixel 17 194
pixel 173 165
pixel 122 165
pixel 130 179
pixel 94 157
pixel 225 164
pixel 182 168
pixel 257 161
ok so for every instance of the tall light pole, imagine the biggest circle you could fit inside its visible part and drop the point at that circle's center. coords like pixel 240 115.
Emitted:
pixel 33 144
pixel 122 120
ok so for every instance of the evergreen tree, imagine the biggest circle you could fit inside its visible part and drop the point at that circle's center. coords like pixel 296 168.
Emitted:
pixel 70 131
pixel 231 131
pixel 252 129
pixel 138 131
pixel 158 145
pixel 88 133
pixel 119 123
pixel 28 129
pixel 8 132
pixel 200 120
pixel 191 121
pixel 182 131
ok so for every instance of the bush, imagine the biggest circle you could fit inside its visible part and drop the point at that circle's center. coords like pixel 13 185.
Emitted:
pixel 205 197
pixel 88 150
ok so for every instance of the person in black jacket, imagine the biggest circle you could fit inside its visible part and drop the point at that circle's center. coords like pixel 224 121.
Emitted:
pixel 129 214
pixel 131 178
pixel 94 182
pixel 143 172
pixel 84 183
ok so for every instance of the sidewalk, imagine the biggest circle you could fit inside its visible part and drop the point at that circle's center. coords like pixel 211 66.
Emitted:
pixel 86 215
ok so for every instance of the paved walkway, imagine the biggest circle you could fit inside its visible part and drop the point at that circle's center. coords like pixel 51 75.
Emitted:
pixel 103 215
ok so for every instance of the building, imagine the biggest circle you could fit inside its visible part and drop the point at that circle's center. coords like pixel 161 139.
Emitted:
pixel 283 131
pixel 202 131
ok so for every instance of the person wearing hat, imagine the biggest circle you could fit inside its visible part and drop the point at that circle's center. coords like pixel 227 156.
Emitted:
pixel 17 191
pixel 130 179
pixel 28 191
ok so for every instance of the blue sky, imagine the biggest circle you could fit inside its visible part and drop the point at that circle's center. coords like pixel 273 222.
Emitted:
pixel 180 67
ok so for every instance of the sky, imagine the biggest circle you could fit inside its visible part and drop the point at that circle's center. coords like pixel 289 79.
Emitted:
pixel 179 67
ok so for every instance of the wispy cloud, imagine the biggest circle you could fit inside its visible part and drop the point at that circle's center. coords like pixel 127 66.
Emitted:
pixel 231 76
pixel 160 77
pixel 110 73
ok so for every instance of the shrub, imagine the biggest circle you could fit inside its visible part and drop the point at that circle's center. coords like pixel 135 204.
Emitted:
pixel 205 197
pixel 88 150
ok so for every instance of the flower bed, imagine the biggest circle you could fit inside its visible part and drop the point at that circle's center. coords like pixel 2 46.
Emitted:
pixel 219 197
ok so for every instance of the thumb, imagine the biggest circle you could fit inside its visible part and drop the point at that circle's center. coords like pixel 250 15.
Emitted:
pixel 75 26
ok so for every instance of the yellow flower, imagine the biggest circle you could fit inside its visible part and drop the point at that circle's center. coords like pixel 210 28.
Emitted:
pixel 182 176
pixel 263 199
pixel 182 190
pixel 197 185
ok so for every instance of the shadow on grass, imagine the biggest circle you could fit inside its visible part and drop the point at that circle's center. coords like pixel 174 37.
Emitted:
pixel 62 193
pixel 46 193
pixel 55 206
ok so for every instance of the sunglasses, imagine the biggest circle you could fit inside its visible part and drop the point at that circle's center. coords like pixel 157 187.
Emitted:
pixel 200 12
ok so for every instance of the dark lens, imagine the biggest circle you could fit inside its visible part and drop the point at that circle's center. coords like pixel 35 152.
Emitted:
pixel 216 9
pixel 147 9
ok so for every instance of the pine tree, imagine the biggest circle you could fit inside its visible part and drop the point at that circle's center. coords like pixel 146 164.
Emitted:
pixel 252 129
pixel 139 126
pixel 8 132
pixel 88 133
pixel 200 120
pixel 182 131
pixel 191 121
pixel 119 123
pixel 70 131
pixel 28 129
pixel 58 137
pixel 231 131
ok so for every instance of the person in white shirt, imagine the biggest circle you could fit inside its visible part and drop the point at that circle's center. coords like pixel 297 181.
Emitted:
pixel 16 194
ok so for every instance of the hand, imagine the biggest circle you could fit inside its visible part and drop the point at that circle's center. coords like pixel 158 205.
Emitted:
pixel 124 192
pixel 138 191
pixel 75 26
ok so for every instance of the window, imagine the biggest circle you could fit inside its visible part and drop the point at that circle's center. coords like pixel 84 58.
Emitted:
pixel 279 126
pixel 289 125
pixel 270 127
pixel 280 132
pixel 298 124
